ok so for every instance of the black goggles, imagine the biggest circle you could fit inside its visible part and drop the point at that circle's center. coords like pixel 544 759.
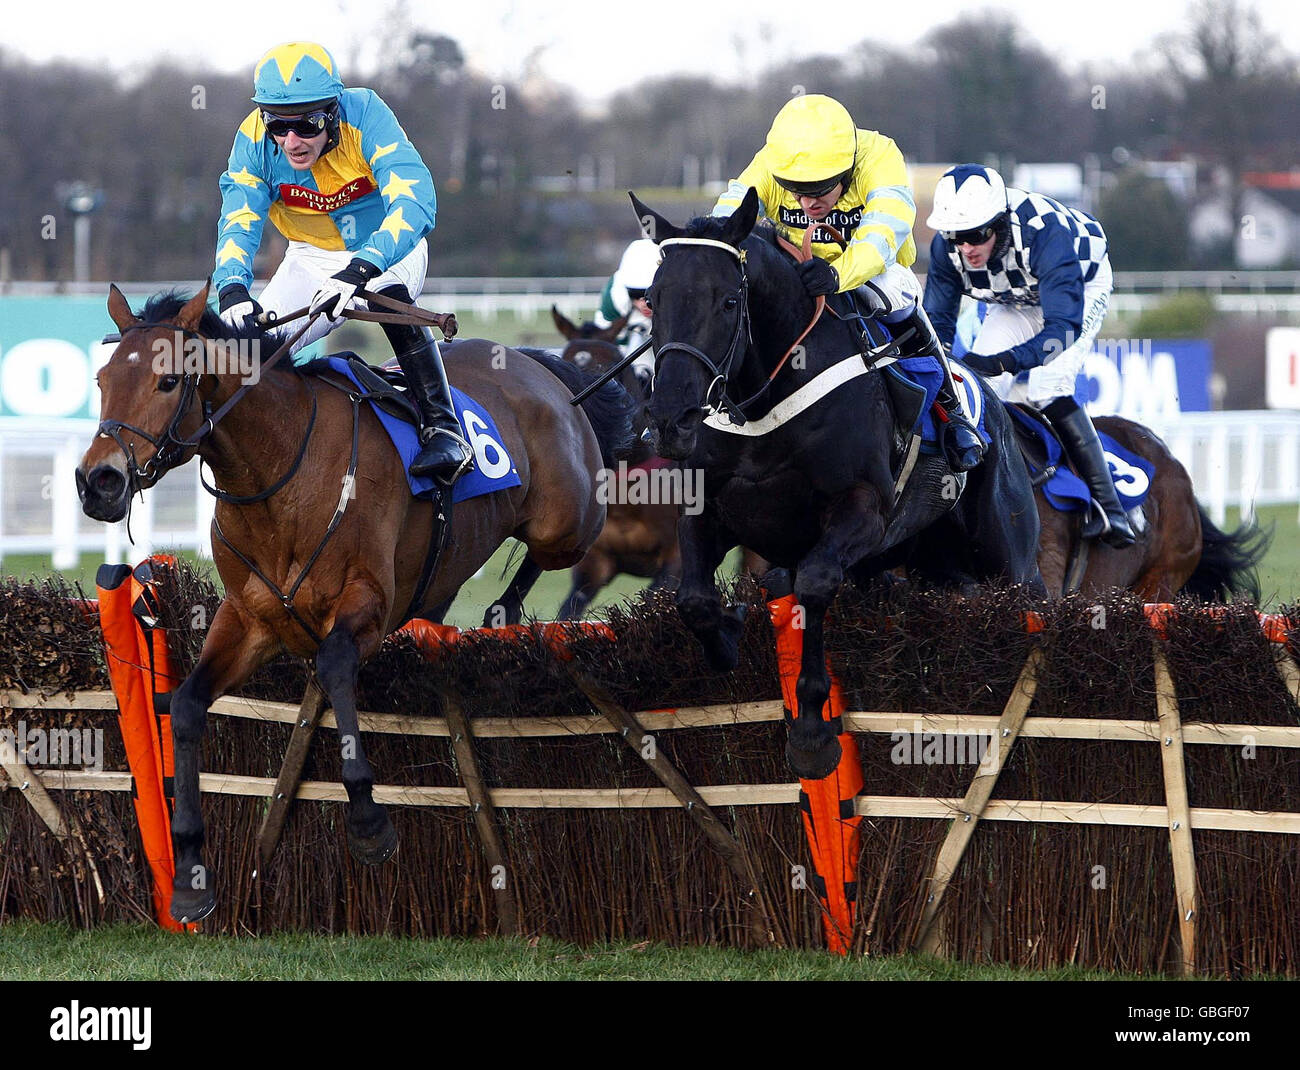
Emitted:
pixel 635 294
pixel 978 236
pixel 305 126
pixel 809 189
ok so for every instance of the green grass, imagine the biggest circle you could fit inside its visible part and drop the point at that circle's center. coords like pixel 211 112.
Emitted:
pixel 30 951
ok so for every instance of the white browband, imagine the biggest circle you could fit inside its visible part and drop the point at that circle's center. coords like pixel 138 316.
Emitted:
pixel 738 254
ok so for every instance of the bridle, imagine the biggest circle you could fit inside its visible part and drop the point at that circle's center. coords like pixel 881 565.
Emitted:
pixel 170 445
pixel 721 372
pixel 742 329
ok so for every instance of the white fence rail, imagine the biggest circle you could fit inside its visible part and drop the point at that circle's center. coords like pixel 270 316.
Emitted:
pixel 41 514
pixel 1244 459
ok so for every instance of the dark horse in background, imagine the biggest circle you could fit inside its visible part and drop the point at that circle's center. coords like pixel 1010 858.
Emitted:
pixel 638 539
pixel 351 588
pixel 815 493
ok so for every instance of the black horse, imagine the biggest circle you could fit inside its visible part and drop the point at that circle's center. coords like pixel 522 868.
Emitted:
pixel 814 492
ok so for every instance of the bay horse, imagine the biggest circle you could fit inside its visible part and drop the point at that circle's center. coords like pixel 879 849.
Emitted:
pixel 808 486
pixel 638 539
pixel 1179 548
pixel 351 588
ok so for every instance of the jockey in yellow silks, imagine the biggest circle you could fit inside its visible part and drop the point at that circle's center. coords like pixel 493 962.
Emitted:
pixel 818 167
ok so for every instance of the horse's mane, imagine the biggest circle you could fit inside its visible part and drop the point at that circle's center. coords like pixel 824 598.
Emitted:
pixel 163 308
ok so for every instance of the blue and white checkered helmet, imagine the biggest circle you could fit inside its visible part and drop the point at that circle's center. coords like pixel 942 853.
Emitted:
pixel 968 196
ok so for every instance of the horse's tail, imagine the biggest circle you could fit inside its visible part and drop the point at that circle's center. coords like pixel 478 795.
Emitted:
pixel 610 409
pixel 1229 562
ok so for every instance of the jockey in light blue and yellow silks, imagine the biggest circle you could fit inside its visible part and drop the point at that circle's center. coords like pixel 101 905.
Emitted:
pixel 818 167
pixel 333 171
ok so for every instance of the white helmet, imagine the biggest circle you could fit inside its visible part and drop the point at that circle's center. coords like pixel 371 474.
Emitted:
pixel 636 271
pixel 968 197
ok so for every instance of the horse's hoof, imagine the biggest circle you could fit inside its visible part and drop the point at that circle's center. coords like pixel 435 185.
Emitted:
pixel 377 849
pixel 190 905
pixel 816 764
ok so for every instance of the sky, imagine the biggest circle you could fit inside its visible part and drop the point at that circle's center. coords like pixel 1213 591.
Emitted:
pixel 596 47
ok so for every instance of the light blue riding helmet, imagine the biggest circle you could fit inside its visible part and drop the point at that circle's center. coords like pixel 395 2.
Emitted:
pixel 296 74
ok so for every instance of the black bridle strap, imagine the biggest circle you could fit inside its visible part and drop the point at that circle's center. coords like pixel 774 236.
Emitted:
pixel 348 492
pixel 234 499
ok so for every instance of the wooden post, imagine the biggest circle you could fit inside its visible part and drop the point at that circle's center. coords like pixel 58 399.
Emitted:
pixel 1180 818
pixel 480 801
pixel 697 809
pixel 286 786
pixel 928 936
pixel 28 784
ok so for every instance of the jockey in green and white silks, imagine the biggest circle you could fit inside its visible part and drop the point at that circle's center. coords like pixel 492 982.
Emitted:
pixel 817 166
pixel 624 295
pixel 1044 270
pixel 333 171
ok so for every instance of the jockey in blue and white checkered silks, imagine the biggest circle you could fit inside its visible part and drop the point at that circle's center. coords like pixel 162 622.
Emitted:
pixel 818 167
pixel 1043 270
pixel 334 172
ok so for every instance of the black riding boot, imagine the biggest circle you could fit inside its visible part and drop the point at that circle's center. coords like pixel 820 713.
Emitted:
pixel 445 455
pixel 962 444
pixel 1080 440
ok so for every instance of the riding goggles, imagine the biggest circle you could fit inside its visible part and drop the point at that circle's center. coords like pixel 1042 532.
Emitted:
pixel 978 236
pixel 305 126
pixel 635 294
pixel 809 189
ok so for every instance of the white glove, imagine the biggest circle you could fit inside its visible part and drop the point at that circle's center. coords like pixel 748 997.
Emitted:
pixel 237 308
pixel 333 297
pixel 338 290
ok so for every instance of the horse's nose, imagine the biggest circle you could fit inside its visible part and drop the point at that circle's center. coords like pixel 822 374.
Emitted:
pixel 102 492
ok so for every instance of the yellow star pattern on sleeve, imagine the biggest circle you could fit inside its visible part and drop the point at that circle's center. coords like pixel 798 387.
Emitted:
pixel 231 251
pixel 245 177
pixel 399 187
pixel 394 224
pixel 382 151
pixel 242 216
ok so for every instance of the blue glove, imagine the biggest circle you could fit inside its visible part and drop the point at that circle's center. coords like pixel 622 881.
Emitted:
pixel 336 292
pixel 989 364
pixel 818 277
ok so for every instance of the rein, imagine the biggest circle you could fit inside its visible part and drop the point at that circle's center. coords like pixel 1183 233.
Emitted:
pixel 400 312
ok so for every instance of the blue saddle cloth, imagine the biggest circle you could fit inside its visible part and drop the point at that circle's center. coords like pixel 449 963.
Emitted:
pixel 494 469
pixel 1066 492
pixel 926 373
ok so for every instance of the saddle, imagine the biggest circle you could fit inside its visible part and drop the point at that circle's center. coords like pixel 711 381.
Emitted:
pixel 384 386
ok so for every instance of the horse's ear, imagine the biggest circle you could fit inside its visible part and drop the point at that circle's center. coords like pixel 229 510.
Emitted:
pixel 611 333
pixel 742 220
pixel 653 225
pixel 563 324
pixel 118 308
pixel 192 311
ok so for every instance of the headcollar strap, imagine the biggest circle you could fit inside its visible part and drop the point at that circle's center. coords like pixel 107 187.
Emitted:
pixel 739 254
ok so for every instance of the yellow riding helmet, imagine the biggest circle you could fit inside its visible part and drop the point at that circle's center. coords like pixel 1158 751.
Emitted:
pixel 812 144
